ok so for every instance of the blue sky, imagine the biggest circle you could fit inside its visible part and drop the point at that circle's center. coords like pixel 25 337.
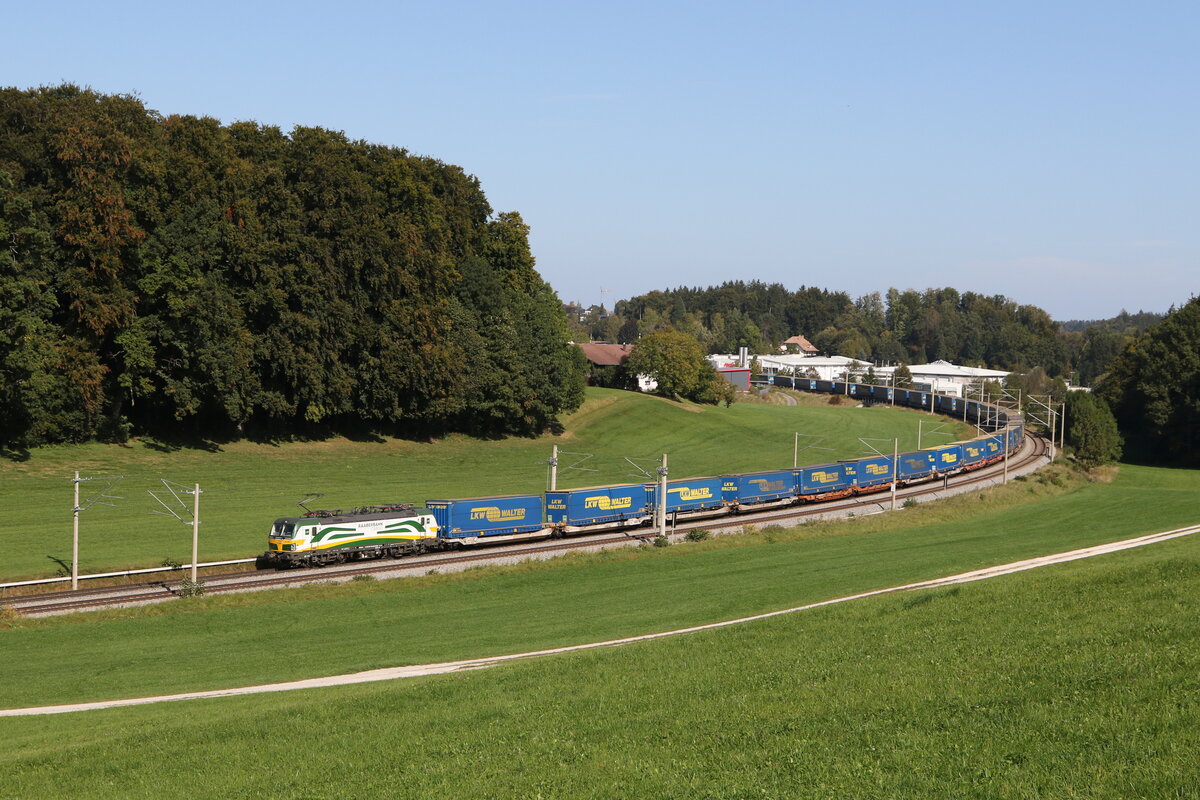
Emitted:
pixel 1045 151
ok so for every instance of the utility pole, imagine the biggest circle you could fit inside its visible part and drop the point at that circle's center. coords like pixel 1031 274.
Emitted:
pixel 1062 437
pixel 1007 447
pixel 895 465
pixel 553 462
pixel 181 512
pixel 1049 421
pixel 75 538
pixel 195 530
pixel 77 507
pixel 662 495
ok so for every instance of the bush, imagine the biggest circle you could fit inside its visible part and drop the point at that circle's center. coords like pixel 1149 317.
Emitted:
pixel 191 588
pixel 696 536
pixel 661 541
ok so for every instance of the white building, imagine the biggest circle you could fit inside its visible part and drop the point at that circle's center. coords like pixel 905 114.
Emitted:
pixel 826 368
pixel 943 377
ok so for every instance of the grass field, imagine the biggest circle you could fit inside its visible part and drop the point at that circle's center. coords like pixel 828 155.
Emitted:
pixel 1078 680
pixel 247 485
pixel 226 641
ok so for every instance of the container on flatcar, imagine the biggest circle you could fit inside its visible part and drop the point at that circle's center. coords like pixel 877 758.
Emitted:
pixel 824 481
pixel 947 458
pixel 476 517
pixel 871 473
pixel 975 452
pixel 915 466
pixel 753 488
pixel 1015 434
pixel 949 405
pixel 599 505
pixel 690 494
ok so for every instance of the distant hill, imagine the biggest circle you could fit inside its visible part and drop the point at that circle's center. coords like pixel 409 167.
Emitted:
pixel 1132 324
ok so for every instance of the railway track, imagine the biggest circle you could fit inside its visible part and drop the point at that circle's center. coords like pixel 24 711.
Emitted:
pixel 1033 450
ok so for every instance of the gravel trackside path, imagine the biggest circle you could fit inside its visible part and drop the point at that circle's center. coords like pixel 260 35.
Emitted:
pixel 393 673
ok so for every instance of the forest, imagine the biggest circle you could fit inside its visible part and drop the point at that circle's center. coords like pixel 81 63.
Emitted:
pixel 901 326
pixel 176 275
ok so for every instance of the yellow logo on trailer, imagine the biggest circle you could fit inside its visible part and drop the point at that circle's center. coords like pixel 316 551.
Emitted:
pixel 765 485
pixel 686 493
pixel 824 477
pixel 877 469
pixel 606 503
pixel 496 514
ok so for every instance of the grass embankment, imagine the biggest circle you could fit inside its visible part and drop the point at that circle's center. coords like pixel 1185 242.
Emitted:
pixel 218 642
pixel 1077 680
pixel 246 485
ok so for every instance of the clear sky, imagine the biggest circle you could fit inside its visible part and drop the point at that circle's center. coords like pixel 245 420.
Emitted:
pixel 1047 151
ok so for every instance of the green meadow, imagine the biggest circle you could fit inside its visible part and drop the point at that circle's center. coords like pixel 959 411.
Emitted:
pixel 1076 680
pixel 222 641
pixel 246 485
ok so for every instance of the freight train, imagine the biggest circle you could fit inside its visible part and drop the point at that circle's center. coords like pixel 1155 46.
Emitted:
pixel 325 537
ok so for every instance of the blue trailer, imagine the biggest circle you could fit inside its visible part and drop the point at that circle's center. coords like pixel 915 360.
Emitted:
pixel 871 474
pixel 463 521
pixel 975 453
pixel 825 481
pixel 626 504
pixel 1015 435
pixel 754 488
pixel 690 495
pixel 915 466
pixel 947 459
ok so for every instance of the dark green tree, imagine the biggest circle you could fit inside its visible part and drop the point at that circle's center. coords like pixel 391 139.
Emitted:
pixel 676 361
pixel 174 274
pixel 1092 430
pixel 1154 387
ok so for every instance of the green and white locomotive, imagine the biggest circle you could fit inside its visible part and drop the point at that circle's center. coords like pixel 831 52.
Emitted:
pixel 332 537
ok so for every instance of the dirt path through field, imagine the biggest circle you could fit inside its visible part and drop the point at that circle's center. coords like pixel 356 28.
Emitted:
pixel 393 673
